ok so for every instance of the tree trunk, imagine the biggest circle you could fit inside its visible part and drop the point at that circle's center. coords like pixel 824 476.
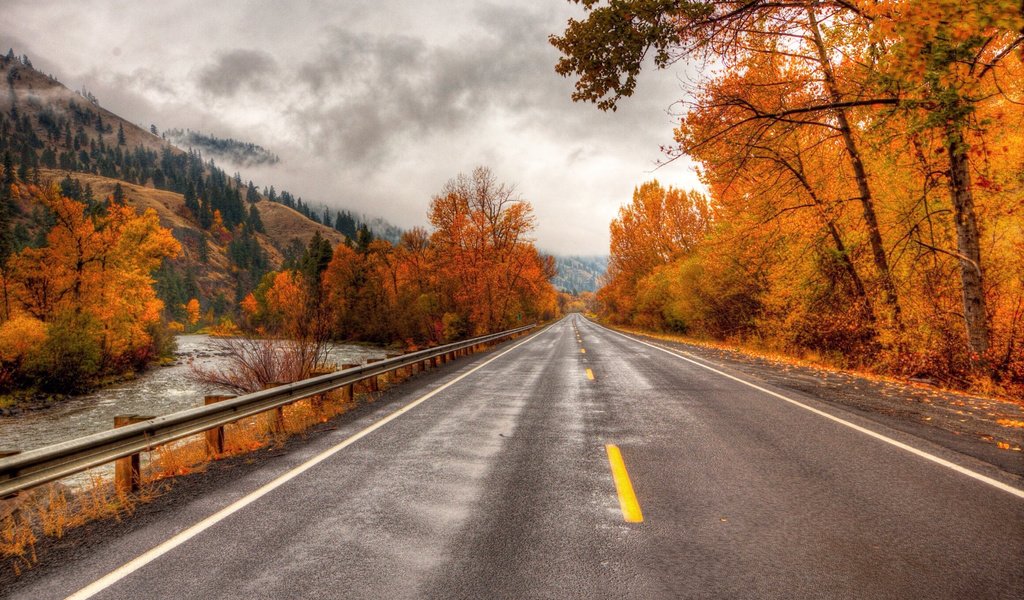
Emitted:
pixel 968 244
pixel 863 187
pixel 837 238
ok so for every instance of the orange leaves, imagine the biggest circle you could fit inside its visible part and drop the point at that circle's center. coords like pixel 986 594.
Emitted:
pixel 250 306
pixel 487 264
pixel 96 267
pixel 286 298
pixel 19 336
pixel 477 272
pixel 660 225
pixel 192 311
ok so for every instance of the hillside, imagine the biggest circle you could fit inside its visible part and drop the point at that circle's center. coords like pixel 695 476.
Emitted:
pixel 53 110
pixel 206 268
pixel 231 231
pixel 580 273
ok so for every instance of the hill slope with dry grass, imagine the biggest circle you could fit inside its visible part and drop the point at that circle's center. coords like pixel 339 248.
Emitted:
pixel 213 269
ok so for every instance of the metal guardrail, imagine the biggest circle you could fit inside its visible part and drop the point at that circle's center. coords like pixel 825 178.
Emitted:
pixel 43 465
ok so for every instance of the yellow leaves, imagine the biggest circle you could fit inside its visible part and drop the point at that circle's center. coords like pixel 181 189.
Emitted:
pixel 142 242
pixel 19 336
pixel 1011 423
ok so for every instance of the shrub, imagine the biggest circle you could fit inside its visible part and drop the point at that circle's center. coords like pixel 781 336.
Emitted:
pixel 70 358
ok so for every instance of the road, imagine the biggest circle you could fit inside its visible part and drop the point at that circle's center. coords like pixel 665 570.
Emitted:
pixel 491 478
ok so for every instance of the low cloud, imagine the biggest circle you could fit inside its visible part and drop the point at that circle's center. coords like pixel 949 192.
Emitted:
pixel 236 69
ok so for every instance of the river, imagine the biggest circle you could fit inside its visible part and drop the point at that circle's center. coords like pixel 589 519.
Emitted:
pixel 159 391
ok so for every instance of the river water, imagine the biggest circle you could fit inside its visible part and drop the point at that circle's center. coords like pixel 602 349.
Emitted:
pixel 159 391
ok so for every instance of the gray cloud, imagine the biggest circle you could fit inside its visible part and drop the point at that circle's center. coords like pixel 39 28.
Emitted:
pixel 235 69
pixel 372 106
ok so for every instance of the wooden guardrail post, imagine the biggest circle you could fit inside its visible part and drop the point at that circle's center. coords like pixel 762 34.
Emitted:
pixel 128 470
pixel 346 390
pixel 371 382
pixel 277 420
pixel 215 436
pixel 394 375
pixel 317 401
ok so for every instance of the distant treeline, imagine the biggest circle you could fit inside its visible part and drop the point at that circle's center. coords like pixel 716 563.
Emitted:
pixel 240 153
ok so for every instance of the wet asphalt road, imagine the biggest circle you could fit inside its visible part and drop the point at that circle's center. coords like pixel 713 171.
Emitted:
pixel 499 486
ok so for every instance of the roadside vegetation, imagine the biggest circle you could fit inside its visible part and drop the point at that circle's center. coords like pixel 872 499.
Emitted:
pixel 864 199
pixel 477 272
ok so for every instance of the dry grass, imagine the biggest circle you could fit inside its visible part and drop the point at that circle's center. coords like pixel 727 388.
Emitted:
pixel 53 510
pixel 17 543
pixel 283 224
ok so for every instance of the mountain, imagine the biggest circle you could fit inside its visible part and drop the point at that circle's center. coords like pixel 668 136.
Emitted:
pixel 232 232
pixel 580 273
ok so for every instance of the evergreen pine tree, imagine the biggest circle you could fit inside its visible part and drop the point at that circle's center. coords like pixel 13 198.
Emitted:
pixel 363 238
pixel 254 221
pixel 6 208
pixel 118 195
pixel 191 202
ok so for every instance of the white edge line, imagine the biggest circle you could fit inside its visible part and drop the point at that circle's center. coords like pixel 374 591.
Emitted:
pixel 180 538
pixel 925 455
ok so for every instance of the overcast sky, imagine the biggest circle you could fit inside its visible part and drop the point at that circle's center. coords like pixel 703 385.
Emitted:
pixel 371 105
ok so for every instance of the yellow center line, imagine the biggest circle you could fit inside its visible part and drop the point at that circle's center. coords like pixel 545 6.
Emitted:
pixel 590 374
pixel 627 497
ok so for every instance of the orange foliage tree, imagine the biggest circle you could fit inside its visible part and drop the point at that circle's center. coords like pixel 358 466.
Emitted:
pixel 91 284
pixel 490 272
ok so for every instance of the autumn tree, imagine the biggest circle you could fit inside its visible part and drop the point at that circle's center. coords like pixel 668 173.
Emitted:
pixel 657 227
pixel 192 312
pixel 943 60
pixel 478 271
pixel 92 284
pixel 482 230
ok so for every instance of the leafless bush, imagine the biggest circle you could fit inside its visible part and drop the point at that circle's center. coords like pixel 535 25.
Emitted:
pixel 254 364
